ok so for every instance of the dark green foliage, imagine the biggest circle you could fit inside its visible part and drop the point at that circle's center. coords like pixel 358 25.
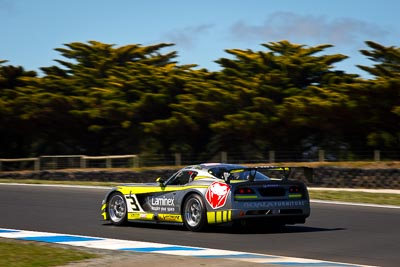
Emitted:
pixel 104 99
pixel 380 101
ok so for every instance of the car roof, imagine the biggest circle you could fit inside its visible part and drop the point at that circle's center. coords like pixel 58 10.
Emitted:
pixel 209 166
pixel 227 166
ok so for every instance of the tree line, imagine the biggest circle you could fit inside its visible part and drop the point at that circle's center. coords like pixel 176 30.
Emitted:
pixel 103 100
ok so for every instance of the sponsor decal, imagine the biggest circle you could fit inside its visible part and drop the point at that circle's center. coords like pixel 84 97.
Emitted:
pixel 273 204
pixel 140 216
pixel 170 217
pixel 162 204
pixel 162 201
pixel 217 194
pixel 270 185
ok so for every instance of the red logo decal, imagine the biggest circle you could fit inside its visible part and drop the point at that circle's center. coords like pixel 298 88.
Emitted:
pixel 216 194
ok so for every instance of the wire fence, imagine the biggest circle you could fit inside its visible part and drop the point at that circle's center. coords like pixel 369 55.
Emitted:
pixel 58 162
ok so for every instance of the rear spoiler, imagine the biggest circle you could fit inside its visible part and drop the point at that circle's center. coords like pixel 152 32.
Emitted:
pixel 286 172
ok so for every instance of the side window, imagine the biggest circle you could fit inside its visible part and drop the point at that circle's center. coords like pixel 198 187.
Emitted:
pixel 183 177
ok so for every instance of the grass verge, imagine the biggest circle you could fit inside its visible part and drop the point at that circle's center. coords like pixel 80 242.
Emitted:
pixel 28 254
pixel 356 197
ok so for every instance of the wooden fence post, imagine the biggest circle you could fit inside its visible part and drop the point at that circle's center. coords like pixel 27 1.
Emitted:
pixel 178 159
pixel 377 155
pixel 224 157
pixel 321 155
pixel 271 156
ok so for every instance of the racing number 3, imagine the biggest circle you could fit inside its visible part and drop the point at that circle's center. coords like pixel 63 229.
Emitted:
pixel 133 202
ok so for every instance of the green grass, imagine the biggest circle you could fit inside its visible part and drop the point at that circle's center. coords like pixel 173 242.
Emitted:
pixel 28 254
pixel 356 197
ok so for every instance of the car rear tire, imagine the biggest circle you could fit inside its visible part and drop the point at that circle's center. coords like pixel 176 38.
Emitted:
pixel 117 209
pixel 194 213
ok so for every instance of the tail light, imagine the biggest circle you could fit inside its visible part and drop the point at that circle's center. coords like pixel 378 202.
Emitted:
pixel 244 191
pixel 295 191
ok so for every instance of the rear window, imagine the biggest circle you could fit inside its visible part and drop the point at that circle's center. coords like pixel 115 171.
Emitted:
pixel 219 173
pixel 245 176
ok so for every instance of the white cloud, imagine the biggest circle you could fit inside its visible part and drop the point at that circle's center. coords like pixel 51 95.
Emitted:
pixel 187 37
pixel 294 27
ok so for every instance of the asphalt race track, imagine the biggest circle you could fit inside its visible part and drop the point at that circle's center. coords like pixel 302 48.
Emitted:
pixel 340 233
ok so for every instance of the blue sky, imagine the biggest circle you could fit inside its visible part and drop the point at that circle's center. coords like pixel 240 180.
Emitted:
pixel 201 30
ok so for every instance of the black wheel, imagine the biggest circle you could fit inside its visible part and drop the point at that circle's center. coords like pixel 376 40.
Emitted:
pixel 117 209
pixel 194 213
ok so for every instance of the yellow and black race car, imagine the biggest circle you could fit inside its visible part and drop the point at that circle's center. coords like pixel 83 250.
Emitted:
pixel 211 193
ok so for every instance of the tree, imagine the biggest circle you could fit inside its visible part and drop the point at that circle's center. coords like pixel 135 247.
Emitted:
pixel 381 101
pixel 94 103
pixel 199 102
pixel 14 126
pixel 262 82
pixel 104 99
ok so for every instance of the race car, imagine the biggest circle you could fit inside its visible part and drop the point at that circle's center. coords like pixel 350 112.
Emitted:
pixel 211 193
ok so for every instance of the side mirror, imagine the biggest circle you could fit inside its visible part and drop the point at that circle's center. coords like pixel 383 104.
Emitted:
pixel 160 181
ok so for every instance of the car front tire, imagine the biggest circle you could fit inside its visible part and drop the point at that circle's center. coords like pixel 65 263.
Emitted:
pixel 117 209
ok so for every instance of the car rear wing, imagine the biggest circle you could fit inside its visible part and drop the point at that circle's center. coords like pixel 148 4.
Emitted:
pixel 285 175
